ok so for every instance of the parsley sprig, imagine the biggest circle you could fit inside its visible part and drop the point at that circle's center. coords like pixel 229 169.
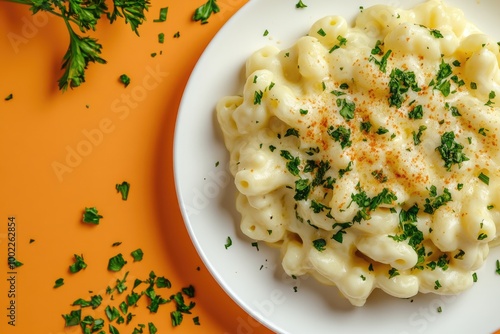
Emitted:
pixel 84 16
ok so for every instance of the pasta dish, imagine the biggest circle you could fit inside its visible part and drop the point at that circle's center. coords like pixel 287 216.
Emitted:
pixel 368 153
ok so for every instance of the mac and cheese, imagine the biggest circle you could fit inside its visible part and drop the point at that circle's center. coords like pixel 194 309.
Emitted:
pixel 369 153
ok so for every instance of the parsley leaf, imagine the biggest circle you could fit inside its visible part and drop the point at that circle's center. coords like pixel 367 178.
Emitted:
pixel 91 216
pixel 123 189
pixel 451 151
pixel 203 12
pixel 116 263
pixel 78 265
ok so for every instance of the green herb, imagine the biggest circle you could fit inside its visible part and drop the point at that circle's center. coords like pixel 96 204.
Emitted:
pixel 497 270
pixel 491 96
pixel 455 112
pixel 435 202
pixel 123 188
pixel 116 263
pixel 451 151
pixel 341 134
pixel 381 130
pixel 91 216
pixel 441 83
pixel 393 272
pixel 439 309
pixel 321 32
pixel 365 126
pixel 459 255
pixel 266 32
pixel 257 98
pixel 78 265
pixel 399 84
pixel 484 178
pixel 346 109
pixel 482 236
pixel 474 277
pixel 162 15
pixel 177 35
pixel 137 254
pixel 437 285
pixel 292 132
pixel 203 12
pixel 112 313
pixel 73 318
pixel 417 137
pixel 483 131
pixel 229 243
pixel 319 244
pixel 436 33
pixel 377 50
pixel 293 162
pixel 342 42
pixel 416 113
pixel 83 50
pixel 125 80
pixel 161 38
pixel 302 189
pixel 303 112
pixel 59 282
pixel 9 97
pixel 13 263
pixel 382 63
pixel 473 85
pixel 300 4
pixel 379 176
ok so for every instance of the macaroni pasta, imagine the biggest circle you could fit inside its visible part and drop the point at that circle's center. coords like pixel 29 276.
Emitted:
pixel 369 153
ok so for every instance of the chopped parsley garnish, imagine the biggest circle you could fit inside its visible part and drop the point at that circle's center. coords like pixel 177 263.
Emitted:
pixel 451 151
pixel 473 85
pixel 436 33
pixel 321 32
pixel 417 137
pixel 342 42
pixel 497 270
pixel 137 255
pixel 78 264
pixel 203 12
pixel 435 202
pixel 491 97
pixel 161 38
pixel 380 176
pixel 346 109
pixel 302 189
pixel 123 188
pixel 300 4
pixel 399 84
pixel 9 97
pixel 393 272
pixel 303 111
pixel 319 244
pixel 257 98
pixel 440 82
pixel 341 134
pixel 292 132
pixel 90 215
pixel 229 243
pixel 293 162
pixel 266 32
pixel 365 126
pixel 416 113
pixel 437 285
pixel 59 282
pixel 116 263
pixel 382 63
pixel 381 130
pixel 162 16
pixel 484 178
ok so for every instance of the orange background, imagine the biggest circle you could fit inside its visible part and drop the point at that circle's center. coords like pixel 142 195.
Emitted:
pixel 62 152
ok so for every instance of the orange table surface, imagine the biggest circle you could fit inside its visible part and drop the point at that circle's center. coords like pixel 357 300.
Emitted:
pixel 63 152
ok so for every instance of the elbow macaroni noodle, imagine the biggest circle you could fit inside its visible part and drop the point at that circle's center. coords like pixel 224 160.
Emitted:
pixel 369 153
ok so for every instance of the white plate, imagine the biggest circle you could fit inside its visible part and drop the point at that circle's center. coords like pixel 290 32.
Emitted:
pixel 254 278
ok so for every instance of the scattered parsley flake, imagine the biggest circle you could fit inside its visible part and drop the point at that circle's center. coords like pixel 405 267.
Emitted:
pixel 9 97
pixel 116 263
pixel 229 243
pixel 137 254
pixel 162 15
pixel 204 12
pixel 484 178
pixel 161 38
pixel 319 244
pixel 123 188
pixel 59 282
pixel 91 216
pixel 300 4
pixel 78 264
